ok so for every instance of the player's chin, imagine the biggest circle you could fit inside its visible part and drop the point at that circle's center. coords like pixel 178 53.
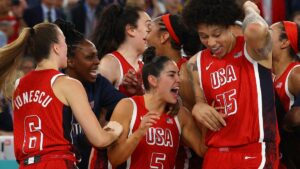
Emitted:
pixel 172 100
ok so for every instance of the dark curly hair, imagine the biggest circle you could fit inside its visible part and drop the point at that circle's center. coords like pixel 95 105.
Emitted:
pixel 73 37
pixel 211 12
pixel 189 39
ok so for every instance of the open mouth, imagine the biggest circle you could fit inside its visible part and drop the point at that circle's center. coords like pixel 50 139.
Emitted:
pixel 93 72
pixel 175 90
pixel 216 51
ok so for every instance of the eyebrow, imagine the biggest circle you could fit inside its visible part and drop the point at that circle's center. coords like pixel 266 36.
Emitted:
pixel 171 71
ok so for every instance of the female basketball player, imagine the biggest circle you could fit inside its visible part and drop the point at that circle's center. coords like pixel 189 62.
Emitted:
pixel 42 129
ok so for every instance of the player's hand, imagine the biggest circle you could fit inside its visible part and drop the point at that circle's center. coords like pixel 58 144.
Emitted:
pixel 132 84
pixel 114 127
pixel 147 121
pixel 249 5
pixel 209 116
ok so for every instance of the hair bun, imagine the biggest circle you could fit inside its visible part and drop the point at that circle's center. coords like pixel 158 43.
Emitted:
pixel 149 54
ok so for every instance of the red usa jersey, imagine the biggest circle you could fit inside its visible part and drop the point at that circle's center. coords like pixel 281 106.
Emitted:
pixel 180 62
pixel 281 86
pixel 124 68
pixel 40 126
pixel 159 146
pixel 244 88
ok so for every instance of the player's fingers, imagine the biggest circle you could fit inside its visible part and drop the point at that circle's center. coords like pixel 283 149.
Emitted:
pixel 211 122
pixel 218 117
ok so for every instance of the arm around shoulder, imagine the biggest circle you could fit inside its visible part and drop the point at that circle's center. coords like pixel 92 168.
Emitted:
pixel 125 145
pixel 71 92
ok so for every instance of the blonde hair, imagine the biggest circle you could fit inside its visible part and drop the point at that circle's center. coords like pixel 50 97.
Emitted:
pixel 10 58
pixel 34 41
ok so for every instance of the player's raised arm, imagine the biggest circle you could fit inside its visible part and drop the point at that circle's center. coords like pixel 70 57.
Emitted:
pixel 256 33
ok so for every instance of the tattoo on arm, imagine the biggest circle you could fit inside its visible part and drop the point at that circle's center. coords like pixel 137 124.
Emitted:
pixel 253 17
pixel 266 46
pixel 191 68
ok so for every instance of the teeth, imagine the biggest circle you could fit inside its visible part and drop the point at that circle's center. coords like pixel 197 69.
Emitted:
pixel 93 72
pixel 215 49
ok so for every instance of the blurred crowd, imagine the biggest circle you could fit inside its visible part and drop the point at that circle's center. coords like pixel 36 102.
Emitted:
pixel 17 14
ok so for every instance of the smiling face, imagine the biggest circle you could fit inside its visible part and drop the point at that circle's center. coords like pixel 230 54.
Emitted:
pixel 219 40
pixel 154 37
pixel 275 34
pixel 84 63
pixel 61 49
pixel 168 82
pixel 141 31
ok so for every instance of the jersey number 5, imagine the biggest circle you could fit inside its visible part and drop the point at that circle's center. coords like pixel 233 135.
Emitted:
pixel 33 136
pixel 228 101
pixel 157 160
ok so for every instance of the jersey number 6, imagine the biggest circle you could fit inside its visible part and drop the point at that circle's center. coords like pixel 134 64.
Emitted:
pixel 33 136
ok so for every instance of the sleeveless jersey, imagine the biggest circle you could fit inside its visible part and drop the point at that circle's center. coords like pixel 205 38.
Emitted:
pixel 124 68
pixel 281 86
pixel 180 62
pixel 244 88
pixel 40 126
pixel 289 141
pixel 185 156
pixel 158 148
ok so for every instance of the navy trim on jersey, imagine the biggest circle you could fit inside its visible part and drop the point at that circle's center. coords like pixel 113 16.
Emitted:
pixel 268 112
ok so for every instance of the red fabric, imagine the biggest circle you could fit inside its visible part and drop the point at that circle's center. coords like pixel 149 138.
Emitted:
pixel 180 62
pixel 39 122
pixel 56 163
pixel 242 157
pixel 98 159
pixel 126 67
pixel 280 86
pixel 15 24
pixel 278 10
pixel 158 148
pixel 292 34
pixel 234 82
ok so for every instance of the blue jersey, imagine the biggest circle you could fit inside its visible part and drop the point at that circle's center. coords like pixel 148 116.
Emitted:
pixel 102 97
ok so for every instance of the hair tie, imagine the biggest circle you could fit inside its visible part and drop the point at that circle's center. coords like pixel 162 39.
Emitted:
pixel 292 34
pixel 32 31
pixel 166 19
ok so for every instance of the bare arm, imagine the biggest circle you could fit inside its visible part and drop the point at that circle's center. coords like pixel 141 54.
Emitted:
pixel 72 93
pixel 191 134
pixel 186 90
pixel 292 118
pixel 109 67
pixel 124 147
pixel 203 113
pixel 256 33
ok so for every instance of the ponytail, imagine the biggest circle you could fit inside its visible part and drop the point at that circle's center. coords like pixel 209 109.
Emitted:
pixel 104 35
pixel 35 42
pixel 11 56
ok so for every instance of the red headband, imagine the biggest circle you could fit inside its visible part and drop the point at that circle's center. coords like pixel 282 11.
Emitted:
pixel 166 19
pixel 292 34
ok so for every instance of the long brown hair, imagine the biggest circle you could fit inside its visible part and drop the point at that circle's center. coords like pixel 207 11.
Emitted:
pixel 35 42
